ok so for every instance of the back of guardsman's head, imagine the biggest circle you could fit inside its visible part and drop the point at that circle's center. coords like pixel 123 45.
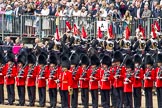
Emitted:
pixel 106 60
pixel 74 59
pixel 117 57
pixel 31 58
pixel 129 63
pixel 22 59
pixel 65 62
pixel 42 59
pixel 95 60
pixel 149 60
pixel 84 59
pixel 137 59
pixel 53 59
pixel 10 57
pixel 2 60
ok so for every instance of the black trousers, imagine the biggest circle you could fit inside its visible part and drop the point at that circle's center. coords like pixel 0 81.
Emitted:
pixel 128 100
pixel 148 97
pixel 119 101
pixel 31 95
pixel 74 100
pixel 137 97
pixel 65 98
pixel 11 93
pixel 85 97
pixel 21 94
pixel 113 96
pixel 1 93
pixel 105 98
pixel 159 96
pixel 94 96
pixel 53 97
pixel 42 96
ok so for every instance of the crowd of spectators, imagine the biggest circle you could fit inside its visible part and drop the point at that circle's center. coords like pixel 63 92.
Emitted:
pixel 116 10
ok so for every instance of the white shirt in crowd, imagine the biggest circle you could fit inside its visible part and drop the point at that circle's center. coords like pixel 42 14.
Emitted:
pixel 45 12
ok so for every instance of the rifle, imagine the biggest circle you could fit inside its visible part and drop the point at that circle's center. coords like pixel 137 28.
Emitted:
pixel 1 66
pixel 10 69
pixel 30 71
pixel 42 72
pixel 85 72
pixel 148 73
pixel 160 73
pixel 21 72
pixel 75 71
pixel 52 73
pixel 106 74
pixel 128 76
pixel 137 72
pixel 94 71
pixel 119 68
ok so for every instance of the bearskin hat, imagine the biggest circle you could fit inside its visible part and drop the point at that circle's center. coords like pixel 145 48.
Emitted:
pixel 149 60
pixel 42 59
pixel 1 59
pixel 84 59
pixel 117 57
pixel 74 59
pixel 31 58
pixel 106 60
pixel 10 57
pixel 53 59
pixel 159 58
pixel 21 59
pixel 95 60
pixel 129 63
pixel 137 59
pixel 65 63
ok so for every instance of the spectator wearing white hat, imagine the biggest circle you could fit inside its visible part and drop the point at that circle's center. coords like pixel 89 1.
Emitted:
pixel 83 15
pixel 8 17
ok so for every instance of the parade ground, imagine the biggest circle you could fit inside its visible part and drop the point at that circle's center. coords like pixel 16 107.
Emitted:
pixel 58 104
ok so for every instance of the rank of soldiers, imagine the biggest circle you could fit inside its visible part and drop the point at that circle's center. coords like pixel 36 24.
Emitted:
pixel 118 69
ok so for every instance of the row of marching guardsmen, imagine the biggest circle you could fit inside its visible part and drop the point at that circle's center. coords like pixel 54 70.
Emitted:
pixel 120 75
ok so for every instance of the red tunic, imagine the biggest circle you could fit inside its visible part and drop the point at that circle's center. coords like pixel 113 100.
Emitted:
pixel 52 78
pixel 41 80
pixel 65 80
pixel 149 82
pixel 128 85
pixel 119 81
pixel 158 80
pixel 10 76
pixel 105 83
pixel 20 80
pixel 84 78
pixel 93 84
pixel 75 77
pixel 2 74
pixel 138 81
pixel 31 76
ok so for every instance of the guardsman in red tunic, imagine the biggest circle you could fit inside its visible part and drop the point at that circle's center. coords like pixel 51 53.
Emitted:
pixel 84 79
pixel 119 78
pixel 1 79
pixel 159 80
pixel 53 79
pixel 128 84
pixel 113 90
pixel 21 79
pixel 10 73
pixel 149 78
pixel 94 77
pixel 31 78
pixel 105 81
pixel 65 79
pixel 42 75
pixel 137 83
pixel 74 58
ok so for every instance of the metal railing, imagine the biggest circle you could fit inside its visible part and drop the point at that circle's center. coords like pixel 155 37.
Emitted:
pixel 45 26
